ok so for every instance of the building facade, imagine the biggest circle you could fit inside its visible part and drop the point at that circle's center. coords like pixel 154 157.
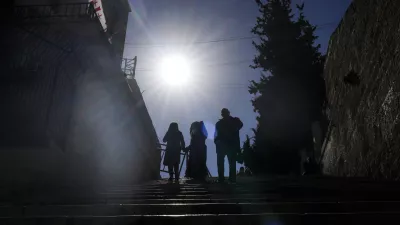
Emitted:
pixel 68 114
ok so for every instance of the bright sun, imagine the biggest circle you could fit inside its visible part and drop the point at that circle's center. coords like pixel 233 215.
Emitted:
pixel 175 70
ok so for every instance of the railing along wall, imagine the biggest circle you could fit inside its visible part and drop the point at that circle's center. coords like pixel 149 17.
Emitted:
pixel 163 168
pixel 185 155
pixel 54 11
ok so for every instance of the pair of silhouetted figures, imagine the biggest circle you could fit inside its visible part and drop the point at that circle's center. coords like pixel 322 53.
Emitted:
pixel 226 139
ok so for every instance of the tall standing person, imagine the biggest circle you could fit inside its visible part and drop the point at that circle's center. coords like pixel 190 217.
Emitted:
pixel 227 142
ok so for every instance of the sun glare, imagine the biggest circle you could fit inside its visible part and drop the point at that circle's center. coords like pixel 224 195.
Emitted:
pixel 175 70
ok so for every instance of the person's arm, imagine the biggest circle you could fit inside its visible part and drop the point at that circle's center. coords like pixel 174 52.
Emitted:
pixel 182 142
pixel 204 131
pixel 165 139
pixel 239 123
pixel 191 129
pixel 216 132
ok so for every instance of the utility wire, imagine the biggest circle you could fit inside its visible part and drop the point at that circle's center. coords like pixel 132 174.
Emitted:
pixel 212 85
pixel 133 45
pixel 210 65
pixel 228 39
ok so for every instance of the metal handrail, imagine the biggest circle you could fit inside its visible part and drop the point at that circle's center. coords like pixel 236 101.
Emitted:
pixel 327 135
pixel 185 155
pixel 55 10
pixel 325 143
pixel 163 155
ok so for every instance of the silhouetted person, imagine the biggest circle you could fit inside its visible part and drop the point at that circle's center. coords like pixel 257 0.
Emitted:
pixel 247 172
pixel 227 142
pixel 241 172
pixel 310 167
pixel 175 143
pixel 197 162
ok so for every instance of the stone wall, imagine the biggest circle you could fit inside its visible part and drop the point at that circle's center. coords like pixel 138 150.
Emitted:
pixel 363 90
pixel 68 115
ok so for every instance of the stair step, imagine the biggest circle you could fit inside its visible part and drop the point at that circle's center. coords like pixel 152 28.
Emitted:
pixel 198 208
pixel 273 202
pixel 212 200
pixel 185 196
pixel 243 219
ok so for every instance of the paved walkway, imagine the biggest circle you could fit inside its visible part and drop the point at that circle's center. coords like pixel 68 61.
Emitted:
pixel 272 201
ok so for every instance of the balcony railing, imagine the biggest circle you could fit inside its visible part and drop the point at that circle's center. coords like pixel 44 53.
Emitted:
pixel 128 67
pixel 74 10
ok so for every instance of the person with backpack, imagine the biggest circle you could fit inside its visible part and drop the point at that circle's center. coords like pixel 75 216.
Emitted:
pixel 227 143
pixel 197 157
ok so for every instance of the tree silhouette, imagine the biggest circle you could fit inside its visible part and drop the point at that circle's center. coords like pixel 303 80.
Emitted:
pixel 290 92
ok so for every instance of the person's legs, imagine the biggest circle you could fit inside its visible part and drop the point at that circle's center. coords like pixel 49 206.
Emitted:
pixel 232 166
pixel 220 164
pixel 171 171
pixel 195 163
pixel 189 165
pixel 204 163
pixel 176 168
pixel 200 164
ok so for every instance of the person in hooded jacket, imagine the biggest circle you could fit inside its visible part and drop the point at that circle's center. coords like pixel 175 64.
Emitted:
pixel 197 162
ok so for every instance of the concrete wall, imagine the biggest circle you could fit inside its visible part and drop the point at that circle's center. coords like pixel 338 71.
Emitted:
pixel 68 115
pixel 149 134
pixel 117 22
pixel 364 92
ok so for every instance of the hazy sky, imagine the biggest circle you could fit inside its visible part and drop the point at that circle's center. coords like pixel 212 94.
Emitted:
pixel 220 70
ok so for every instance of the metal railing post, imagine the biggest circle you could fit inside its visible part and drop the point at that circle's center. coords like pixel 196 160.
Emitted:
pixel 162 158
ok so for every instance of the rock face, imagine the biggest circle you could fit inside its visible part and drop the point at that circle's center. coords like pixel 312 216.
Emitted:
pixel 363 90
pixel 68 115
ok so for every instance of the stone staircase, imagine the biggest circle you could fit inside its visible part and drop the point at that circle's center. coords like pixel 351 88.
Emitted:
pixel 272 201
